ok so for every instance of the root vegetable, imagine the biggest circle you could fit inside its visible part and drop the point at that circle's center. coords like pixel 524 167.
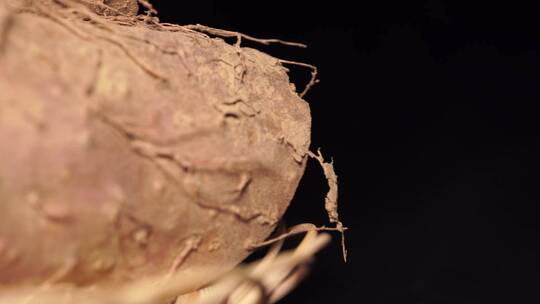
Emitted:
pixel 132 148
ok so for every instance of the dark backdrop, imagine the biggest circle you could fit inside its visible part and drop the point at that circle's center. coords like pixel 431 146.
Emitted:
pixel 431 112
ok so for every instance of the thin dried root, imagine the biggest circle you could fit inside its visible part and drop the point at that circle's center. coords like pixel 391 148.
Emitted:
pixel 127 51
pixel 239 36
pixel 331 200
pixel 139 62
pixel 44 11
pixel 294 230
pixel 151 12
pixel 331 206
pixel 274 250
pixel 314 73
pixel 79 33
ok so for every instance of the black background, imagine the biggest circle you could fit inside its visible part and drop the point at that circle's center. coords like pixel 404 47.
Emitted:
pixel 431 112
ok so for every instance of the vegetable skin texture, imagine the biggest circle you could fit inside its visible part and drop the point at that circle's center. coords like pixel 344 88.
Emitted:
pixel 133 149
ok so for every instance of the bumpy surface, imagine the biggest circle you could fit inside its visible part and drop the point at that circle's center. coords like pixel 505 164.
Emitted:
pixel 131 148
pixel 112 7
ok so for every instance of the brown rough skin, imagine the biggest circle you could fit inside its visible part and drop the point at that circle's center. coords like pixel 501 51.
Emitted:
pixel 112 7
pixel 136 149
